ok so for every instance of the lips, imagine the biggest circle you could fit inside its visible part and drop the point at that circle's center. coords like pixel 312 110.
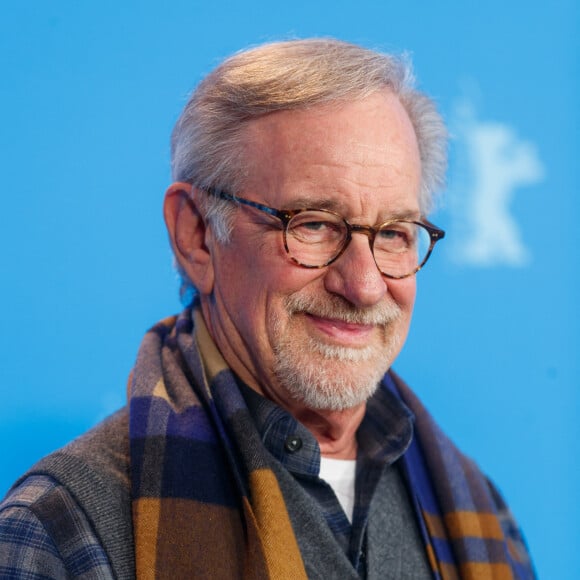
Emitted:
pixel 341 332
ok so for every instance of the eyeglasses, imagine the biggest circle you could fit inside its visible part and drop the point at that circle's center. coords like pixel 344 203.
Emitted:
pixel 315 238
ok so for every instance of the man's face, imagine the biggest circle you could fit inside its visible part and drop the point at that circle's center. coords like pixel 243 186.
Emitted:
pixel 317 338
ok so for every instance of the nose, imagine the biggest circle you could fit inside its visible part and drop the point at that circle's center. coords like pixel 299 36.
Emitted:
pixel 355 275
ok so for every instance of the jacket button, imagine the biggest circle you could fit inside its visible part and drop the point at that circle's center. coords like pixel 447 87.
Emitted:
pixel 293 444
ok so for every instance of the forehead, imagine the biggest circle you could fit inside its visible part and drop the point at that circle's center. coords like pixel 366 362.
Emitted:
pixel 356 154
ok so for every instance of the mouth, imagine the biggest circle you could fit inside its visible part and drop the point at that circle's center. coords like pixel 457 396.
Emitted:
pixel 341 332
pixel 332 322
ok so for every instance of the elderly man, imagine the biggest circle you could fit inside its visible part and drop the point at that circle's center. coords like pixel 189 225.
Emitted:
pixel 265 436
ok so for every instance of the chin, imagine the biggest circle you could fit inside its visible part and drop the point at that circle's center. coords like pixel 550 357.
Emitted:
pixel 329 377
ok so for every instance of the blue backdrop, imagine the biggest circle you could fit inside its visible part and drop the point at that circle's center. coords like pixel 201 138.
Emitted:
pixel 89 93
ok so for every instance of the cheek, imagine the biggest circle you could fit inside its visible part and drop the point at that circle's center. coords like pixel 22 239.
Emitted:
pixel 403 293
pixel 279 284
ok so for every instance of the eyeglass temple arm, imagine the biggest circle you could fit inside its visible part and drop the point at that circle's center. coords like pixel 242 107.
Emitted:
pixel 282 215
pixel 435 233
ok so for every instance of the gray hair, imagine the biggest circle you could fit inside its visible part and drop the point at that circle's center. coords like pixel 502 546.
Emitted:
pixel 207 141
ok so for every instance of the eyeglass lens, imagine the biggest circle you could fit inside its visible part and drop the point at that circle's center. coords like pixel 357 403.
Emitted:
pixel 315 238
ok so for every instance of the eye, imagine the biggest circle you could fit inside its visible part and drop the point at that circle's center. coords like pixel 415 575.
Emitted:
pixel 396 237
pixel 313 227
pixel 390 234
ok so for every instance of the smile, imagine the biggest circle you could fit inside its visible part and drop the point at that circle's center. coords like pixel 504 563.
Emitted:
pixel 341 332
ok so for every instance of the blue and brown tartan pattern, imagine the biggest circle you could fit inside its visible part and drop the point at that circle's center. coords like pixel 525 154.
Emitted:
pixel 468 529
pixel 207 506
pixel 191 508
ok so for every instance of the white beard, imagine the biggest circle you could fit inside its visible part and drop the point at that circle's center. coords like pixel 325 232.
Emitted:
pixel 330 377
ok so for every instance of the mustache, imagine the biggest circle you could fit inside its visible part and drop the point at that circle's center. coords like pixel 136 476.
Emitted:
pixel 338 308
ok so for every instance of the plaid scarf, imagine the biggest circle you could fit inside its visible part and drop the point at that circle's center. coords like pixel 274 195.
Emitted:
pixel 467 527
pixel 207 505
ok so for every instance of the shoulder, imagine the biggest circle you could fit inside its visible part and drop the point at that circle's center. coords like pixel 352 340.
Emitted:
pixel 100 457
pixel 44 533
pixel 76 500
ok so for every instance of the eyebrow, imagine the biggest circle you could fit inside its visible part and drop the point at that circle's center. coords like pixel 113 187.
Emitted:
pixel 412 215
pixel 333 205
pixel 312 202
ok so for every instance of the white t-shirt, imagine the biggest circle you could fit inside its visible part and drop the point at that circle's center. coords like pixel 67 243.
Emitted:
pixel 340 474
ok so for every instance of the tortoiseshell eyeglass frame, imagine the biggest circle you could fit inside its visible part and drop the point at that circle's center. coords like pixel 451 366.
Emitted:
pixel 286 215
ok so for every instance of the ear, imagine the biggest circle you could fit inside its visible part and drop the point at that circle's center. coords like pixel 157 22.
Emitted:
pixel 187 233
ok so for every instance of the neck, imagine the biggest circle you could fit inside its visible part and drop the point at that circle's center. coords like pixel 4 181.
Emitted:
pixel 335 431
